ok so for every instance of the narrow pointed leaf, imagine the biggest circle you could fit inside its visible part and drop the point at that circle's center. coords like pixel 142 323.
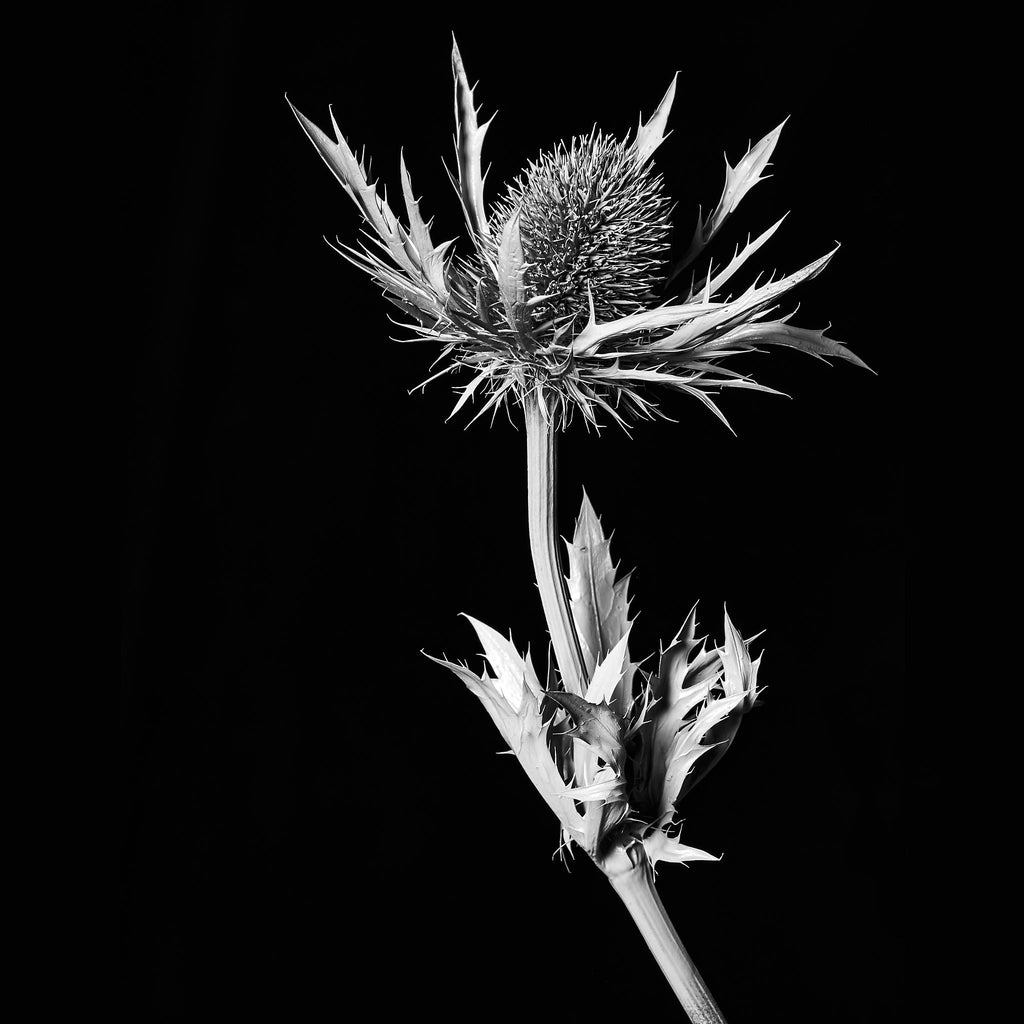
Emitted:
pixel 513 673
pixel 739 180
pixel 600 607
pixel 605 681
pixel 778 332
pixel 718 281
pixel 510 274
pixel 651 135
pixel 348 170
pixel 660 847
pixel 469 141
pixel 703 331
pixel 501 712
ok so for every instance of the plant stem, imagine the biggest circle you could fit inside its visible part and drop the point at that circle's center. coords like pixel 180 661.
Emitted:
pixel 542 509
pixel 635 887
pixel 633 882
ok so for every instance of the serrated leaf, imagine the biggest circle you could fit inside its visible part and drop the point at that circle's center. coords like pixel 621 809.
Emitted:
pixel 739 680
pixel 736 666
pixel 687 747
pixel 524 731
pixel 739 180
pixel 594 334
pixel 674 660
pixel 651 135
pixel 715 282
pixel 688 675
pixel 352 176
pixel 468 390
pixel 540 768
pixel 495 704
pixel 599 604
pixel 701 333
pixel 597 725
pixel 469 139
pixel 510 274
pixel 662 847
pixel 512 672
pixel 778 332
pixel 419 231
pixel 607 676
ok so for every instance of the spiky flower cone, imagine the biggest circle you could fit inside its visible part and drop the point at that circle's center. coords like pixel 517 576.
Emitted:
pixel 555 310
pixel 594 226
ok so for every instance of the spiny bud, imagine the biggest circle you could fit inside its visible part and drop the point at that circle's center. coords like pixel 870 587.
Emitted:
pixel 594 222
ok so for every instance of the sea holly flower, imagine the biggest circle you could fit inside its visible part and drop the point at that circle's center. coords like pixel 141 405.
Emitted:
pixel 559 293
pixel 566 301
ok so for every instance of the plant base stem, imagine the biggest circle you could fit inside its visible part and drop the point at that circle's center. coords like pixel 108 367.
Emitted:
pixel 635 887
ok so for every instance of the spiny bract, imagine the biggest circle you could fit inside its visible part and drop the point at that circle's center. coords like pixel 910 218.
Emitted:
pixel 614 757
pixel 558 294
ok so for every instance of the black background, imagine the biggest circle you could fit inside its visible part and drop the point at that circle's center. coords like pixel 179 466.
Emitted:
pixel 315 813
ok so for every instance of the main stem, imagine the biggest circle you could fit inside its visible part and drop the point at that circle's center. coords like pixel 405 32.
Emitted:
pixel 636 889
pixel 634 884
pixel 542 509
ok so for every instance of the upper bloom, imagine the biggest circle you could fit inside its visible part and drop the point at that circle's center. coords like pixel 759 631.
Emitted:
pixel 560 292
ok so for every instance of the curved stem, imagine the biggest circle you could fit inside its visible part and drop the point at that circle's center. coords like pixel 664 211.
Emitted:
pixel 636 889
pixel 542 509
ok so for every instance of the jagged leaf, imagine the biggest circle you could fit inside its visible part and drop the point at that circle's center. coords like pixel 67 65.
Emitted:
pixel 600 605
pixel 698 334
pixel 502 714
pixel 778 332
pixel 513 673
pixel 687 747
pixel 739 180
pixel 597 725
pixel 535 757
pixel 510 274
pixel 662 847
pixel 603 686
pixel 429 258
pixel 739 679
pixel 419 231
pixel 675 658
pixel 350 172
pixel 715 282
pixel 527 736
pixel 594 334
pixel 651 135
pixel 469 140
pixel 739 673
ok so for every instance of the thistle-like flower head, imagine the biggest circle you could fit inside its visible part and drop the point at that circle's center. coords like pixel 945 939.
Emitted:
pixel 563 290
pixel 594 226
